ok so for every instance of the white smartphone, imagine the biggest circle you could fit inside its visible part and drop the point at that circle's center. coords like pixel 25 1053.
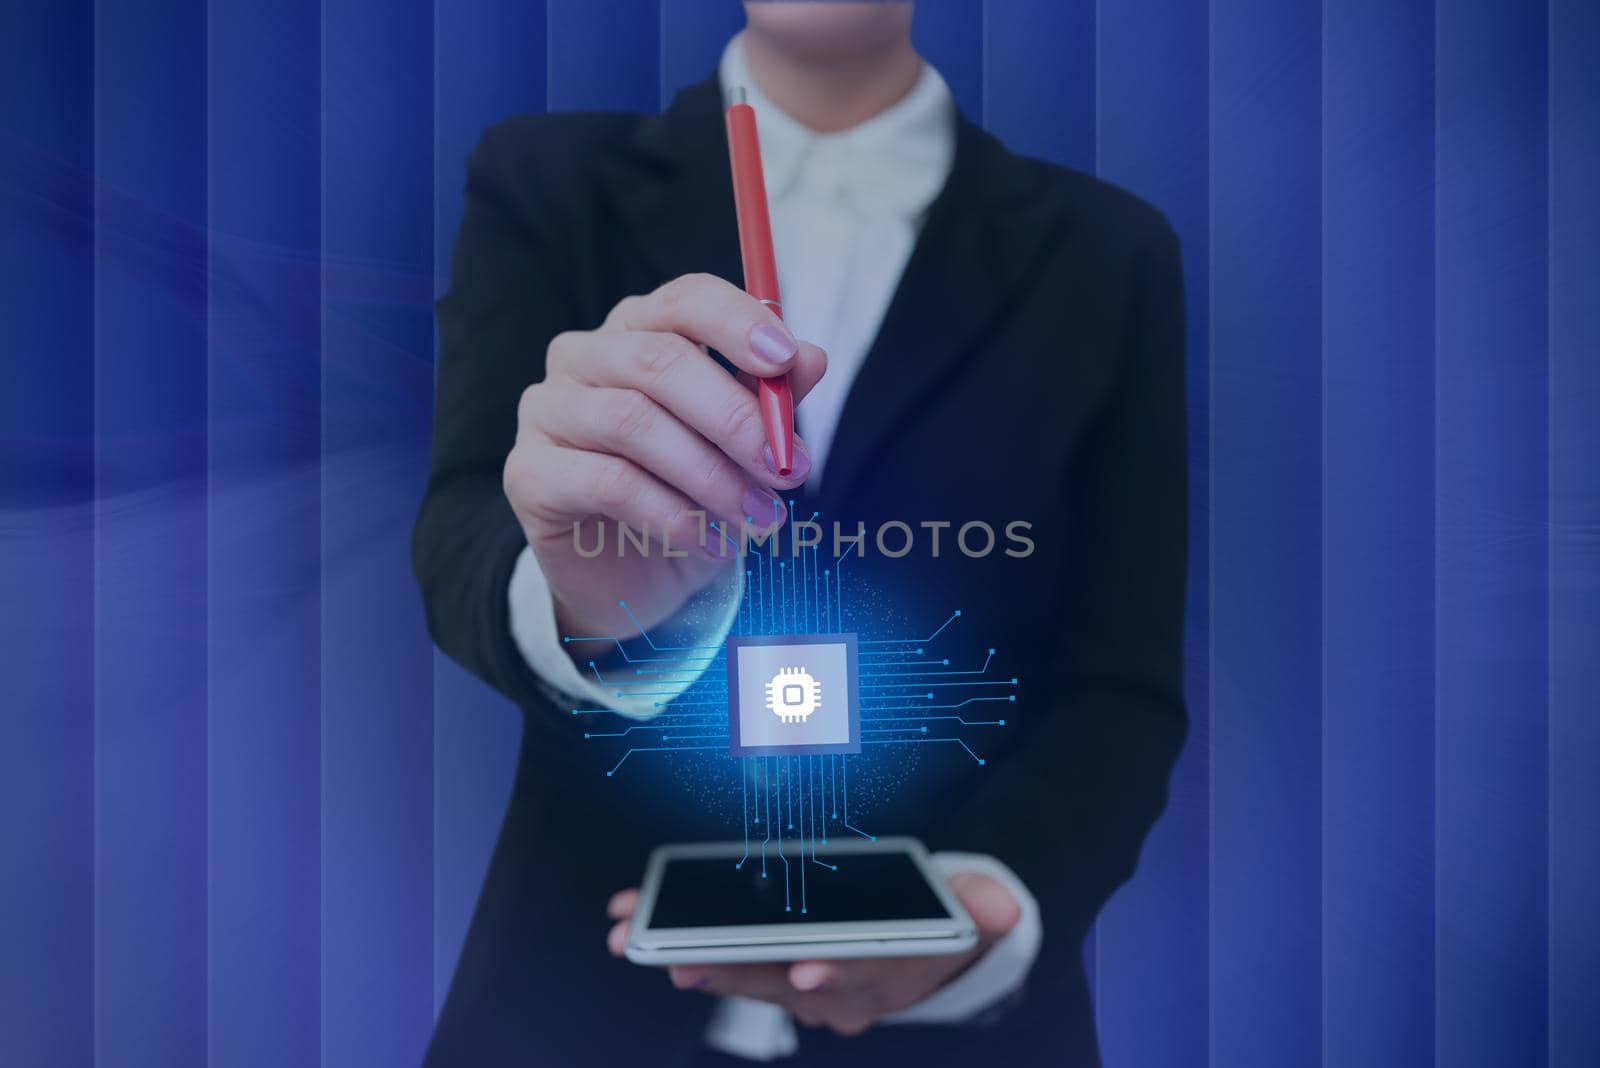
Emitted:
pixel 710 903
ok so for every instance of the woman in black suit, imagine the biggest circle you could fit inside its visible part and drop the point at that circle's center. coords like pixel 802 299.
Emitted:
pixel 1023 364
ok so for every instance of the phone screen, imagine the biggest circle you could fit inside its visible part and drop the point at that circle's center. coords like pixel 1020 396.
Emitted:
pixel 710 892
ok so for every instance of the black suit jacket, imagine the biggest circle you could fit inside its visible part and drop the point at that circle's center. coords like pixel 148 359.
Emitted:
pixel 1030 367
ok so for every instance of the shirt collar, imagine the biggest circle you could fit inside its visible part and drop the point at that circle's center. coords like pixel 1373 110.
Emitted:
pixel 893 163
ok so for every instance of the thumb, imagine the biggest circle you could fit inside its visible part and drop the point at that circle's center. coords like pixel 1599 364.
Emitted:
pixel 988 902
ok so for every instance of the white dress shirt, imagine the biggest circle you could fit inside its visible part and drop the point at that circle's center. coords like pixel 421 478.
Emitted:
pixel 846 208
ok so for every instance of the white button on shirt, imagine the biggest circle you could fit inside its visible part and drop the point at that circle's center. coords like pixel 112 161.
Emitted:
pixel 846 208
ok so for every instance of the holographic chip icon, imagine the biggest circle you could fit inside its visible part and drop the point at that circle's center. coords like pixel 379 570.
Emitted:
pixel 791 694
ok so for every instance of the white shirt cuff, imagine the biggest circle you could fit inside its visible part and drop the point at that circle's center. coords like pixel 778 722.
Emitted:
pixel 533 627
pixel 996 975
pixel 754 1030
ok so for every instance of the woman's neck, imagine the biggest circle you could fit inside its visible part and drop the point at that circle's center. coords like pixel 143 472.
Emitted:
pixel 834 95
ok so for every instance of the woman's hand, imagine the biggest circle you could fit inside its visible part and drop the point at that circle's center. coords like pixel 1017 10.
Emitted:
pixel 635 422
pixel 848 996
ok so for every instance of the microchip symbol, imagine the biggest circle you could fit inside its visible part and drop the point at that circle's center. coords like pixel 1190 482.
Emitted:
pixel 792 694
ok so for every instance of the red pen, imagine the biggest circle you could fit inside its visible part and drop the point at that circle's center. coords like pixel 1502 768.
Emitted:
pixel 773 395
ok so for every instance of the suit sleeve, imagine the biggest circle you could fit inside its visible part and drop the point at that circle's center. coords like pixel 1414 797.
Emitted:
pixel 503 306
pixel 1091 782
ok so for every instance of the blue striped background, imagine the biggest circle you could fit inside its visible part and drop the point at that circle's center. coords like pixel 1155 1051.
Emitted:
pixel 247 810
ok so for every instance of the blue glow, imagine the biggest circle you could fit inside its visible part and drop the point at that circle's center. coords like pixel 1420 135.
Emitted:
pixel 690 732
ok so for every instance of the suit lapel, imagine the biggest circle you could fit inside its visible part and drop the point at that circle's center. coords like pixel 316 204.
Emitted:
pixel 673 190
pixel 975 252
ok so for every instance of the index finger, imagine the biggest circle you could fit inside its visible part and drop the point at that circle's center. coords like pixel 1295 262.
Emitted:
pixel 764 982
pixel 712 311
pixel 622 903
pixel 811 976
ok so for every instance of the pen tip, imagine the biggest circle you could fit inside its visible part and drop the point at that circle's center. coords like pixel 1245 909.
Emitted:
pixel 736 95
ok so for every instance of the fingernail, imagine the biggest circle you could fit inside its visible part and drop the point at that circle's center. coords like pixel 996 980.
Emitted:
pixel 763 510
pixel 772 345
pixel 809 978
pixel 802 461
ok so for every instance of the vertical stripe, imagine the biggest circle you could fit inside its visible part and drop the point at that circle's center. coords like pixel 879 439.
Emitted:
pixel 150 533
pixel 262 544
pixel 1491 548
pixel 249 816
pixel 47 533
pixel 1152 137
pixel 949 34
pixel 1039 78
pixel 603 55
pixel 693 34
pixel 1266 454
pixel 488 65
pixel 1377 527
pixel 377 679
pixel 1574 577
